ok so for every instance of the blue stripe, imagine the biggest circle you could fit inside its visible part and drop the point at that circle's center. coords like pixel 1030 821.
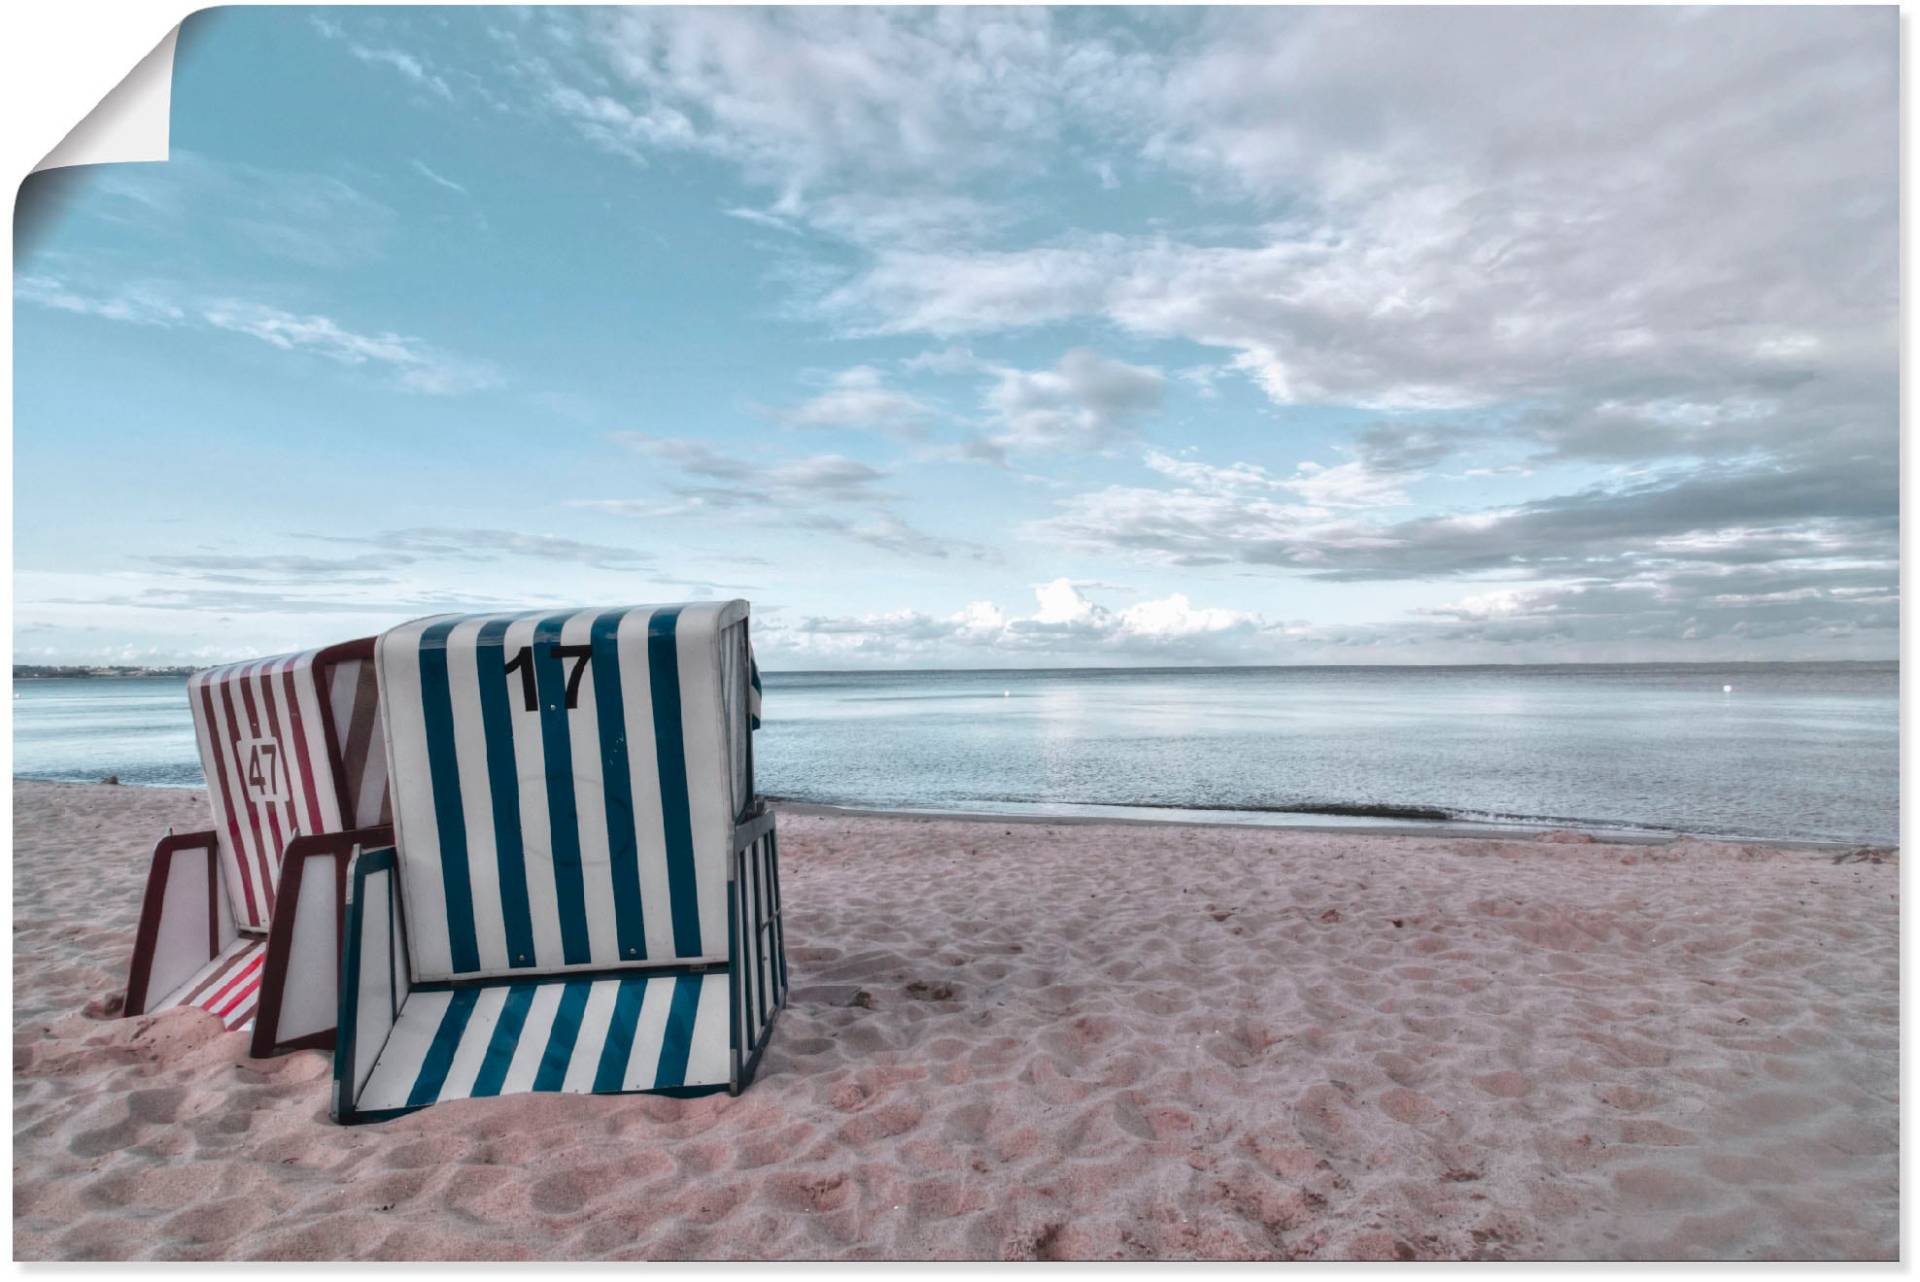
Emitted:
pixel 505 1040
pixel 563 819
pixel 566 1031
pixel 503 784
pixel 677 1045
pixel 623 852
pixel 446 1040
pixel 443 767
pixel 676 816
pixel 619 1044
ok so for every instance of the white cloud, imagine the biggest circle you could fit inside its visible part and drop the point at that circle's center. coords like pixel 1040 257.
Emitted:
pixel 825 493
pixel 1356 483
pixel 1065 623
pixel 802 97
pixel 860 398
pixel 134 304
pixel 420 167
pixel 1085 402
pixel 314 220
pixel 407 64
pixel 413 365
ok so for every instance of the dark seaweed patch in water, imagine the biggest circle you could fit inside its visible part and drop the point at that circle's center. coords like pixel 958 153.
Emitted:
pixel 1430 814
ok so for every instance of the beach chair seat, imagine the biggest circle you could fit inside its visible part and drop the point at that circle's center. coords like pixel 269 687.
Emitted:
pixel 582 895
pixel 228 986
pixel 296 781
pixel 583 1036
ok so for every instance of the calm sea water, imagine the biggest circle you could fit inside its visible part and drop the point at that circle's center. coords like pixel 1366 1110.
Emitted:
pixel 1794 750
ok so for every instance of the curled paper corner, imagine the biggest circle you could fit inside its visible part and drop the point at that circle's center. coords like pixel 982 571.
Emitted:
pixel 131 123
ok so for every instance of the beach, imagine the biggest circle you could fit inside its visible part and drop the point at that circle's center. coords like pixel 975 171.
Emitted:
pixel 1064 1040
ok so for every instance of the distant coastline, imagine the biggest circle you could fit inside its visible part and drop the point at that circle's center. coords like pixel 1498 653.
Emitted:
pixel 100 671
pixel 43 671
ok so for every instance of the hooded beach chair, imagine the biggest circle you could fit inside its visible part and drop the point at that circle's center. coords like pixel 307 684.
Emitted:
pixel 582 894
pixel 296 779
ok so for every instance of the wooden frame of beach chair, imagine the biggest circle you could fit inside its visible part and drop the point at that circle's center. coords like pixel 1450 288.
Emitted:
pixel 296 771
pixel 583 894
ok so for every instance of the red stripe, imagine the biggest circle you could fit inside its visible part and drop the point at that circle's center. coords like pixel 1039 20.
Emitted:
pixel 253 964
pixel 266 856
pixel 316 821
pixel 226 798
pixel 253 819
pixel 249 990
pixel 217 977
pixel 280 808
pixel 241 1017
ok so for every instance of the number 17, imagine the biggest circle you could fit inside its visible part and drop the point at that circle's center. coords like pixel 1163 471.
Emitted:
pixel 522 662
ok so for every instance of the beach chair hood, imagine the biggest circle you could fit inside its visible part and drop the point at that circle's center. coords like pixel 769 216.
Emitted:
pixel 289 747
pixel 566 785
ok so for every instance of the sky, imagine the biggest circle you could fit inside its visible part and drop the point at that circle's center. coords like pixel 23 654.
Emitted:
pixel 982 337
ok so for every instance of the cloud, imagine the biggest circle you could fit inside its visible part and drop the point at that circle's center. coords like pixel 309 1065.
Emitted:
pixel 411 364
pixel 414 366
pixel 1086 402
pixel 368 569
pixel 951 359
pixel 761 217
pixel 889 533
pixel 408 65
pixel 789 494
pixel 1065 623
pixel 412 67
pixel 1733 554
pixel 133 304
pixel 1548 244
pixel 487 544
pixel 859 398
pixel 729 481
pixel 246 601
pixel 1216 515
pixel 420 167
pixel 949 293
pixel 310 219
pixel 801 97
pixel 1356 484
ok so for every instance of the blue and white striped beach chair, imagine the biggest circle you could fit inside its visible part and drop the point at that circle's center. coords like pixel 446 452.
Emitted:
pixel 582 894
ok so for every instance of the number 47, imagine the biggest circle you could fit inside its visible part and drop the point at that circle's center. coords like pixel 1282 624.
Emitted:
pixel 522 662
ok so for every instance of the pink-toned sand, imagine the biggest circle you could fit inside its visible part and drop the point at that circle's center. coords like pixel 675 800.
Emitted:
pixel 1076 1041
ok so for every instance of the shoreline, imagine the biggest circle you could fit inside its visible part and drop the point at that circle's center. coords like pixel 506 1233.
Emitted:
pixel 1196 817
pixel 1443 830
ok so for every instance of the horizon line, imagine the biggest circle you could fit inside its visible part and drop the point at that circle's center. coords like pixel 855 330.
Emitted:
pixel 134 669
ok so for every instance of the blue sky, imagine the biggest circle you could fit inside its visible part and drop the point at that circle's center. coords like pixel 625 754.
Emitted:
pixel 982 337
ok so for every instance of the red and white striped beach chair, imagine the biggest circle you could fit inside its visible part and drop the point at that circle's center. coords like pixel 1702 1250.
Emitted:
pixel 583 893
pixel 296 780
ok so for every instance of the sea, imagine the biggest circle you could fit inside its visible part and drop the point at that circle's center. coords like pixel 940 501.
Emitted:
pixel 1805 751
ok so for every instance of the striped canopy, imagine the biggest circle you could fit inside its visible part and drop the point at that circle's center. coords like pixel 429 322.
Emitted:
pixel 289 748
pixel 566 784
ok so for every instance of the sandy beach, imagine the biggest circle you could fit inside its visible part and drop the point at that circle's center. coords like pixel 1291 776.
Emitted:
pixel 1068 1041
